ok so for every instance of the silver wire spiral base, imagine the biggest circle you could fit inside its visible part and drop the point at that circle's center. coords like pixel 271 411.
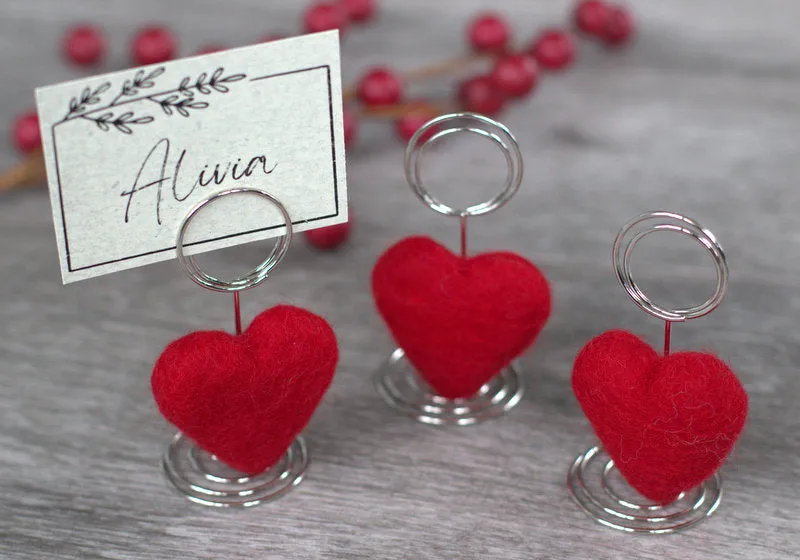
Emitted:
pixel 607 505
pixel 401 387
pixel 205 480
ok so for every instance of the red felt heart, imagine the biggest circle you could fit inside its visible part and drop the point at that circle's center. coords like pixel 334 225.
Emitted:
pixel 667 422
pixel 460 321
pixel 245 398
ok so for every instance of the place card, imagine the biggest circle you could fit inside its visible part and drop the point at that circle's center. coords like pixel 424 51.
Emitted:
pixel 130 153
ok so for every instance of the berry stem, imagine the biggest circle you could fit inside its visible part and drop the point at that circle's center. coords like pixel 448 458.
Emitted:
pixel 446 67
pixel 29 171
pixel 401 110
pixel 442 68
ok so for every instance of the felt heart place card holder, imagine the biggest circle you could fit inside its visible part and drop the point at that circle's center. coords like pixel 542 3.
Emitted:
pixel 459 321
pixel 190 156
pixel 667 421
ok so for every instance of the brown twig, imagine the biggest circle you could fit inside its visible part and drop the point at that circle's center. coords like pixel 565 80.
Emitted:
pixel 443 68
pixel 349 94
pixel 29 171
pixel 403 109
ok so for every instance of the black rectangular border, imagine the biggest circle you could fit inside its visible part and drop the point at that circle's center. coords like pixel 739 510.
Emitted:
pixel 157 251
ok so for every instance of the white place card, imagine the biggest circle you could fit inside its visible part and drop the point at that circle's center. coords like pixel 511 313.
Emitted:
pixel 128 154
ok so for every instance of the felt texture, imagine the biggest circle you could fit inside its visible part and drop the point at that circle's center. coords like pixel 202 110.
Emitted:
pixel 460 321
pixel 667 422
pixel 245 398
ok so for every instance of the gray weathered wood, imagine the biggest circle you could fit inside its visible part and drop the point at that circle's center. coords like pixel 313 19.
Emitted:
pixel 700 116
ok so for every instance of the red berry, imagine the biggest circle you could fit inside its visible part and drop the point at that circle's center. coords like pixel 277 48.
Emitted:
pixel 488 33
pixel 350 128
pixel 359 10
pixel 325 16
pixel 153 45
pixel 84 45
pixel 409 124
pixel 591 17
pixel 481 95
pixel 515 75
pixel 26 133
pixel 331 237
pixel 619 26
pixel 210 49
pixel 554 49
pixel 380 87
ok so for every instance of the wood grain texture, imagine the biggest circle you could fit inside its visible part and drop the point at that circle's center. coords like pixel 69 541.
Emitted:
pixel 699 117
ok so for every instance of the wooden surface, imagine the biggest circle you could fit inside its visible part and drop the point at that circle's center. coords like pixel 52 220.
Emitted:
pixel 700 116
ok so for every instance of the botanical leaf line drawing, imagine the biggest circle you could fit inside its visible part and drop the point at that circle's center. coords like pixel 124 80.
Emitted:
pixel 88 97
pixel 121 122
pixel 140 81
pixel 181 100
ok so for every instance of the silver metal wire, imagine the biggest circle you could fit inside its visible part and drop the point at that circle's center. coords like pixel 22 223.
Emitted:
pixel 591 484
pixel 403 389
pixel 255 276
pixel 650 222
pixel 497 132
pixel 205 480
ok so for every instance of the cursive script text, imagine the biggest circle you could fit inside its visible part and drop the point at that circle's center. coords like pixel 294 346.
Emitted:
pixel 153 172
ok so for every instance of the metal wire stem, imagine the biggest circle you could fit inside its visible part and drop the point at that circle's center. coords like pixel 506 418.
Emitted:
pixel 237 313
pixel 464 237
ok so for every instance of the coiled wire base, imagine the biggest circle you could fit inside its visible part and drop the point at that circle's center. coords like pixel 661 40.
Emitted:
pixel 596 486
pixel 401 387
pixel 205 480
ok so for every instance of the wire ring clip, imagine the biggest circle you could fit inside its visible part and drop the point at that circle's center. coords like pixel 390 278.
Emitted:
pixel 255 276
pixel 633 232
pixel 497 132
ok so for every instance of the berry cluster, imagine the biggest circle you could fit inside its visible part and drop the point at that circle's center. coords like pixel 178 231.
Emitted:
pixel 513 73
pixel 610 23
